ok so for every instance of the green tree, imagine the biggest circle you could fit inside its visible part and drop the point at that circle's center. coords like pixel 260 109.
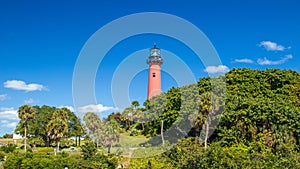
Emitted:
pixel 26 113
pixel 76 128
pixel 135 104
pixel 139 116
pixel 88 150
pixel 94 126
pixel 127 116
pixel 37 127
pixel 8 135
pixel 209 105
pixel 57 127
pixel 110 134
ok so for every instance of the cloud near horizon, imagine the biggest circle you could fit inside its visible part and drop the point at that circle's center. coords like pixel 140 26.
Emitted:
pixel 8 113
pixel 8 118
pixel 266 61
pixel 8 124
pixel 272 46
pixel 245 60
pixel 96 108
pixel 21 85
pixel 216 69
pixel 71 108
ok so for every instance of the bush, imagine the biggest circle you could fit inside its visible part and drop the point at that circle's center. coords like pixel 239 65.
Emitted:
pixel 2 155
pixel 66 143
pixel 21 160
pixel 38 142
pixel 22 146
pixel 64 154
pixel 8 136
pixel 135 132
pixel 9 148
pixel 88 149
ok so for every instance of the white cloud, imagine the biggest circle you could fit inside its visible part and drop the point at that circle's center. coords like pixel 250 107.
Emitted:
pixel 8 119
pixel 266 61
pixel 3 121
pixel 272 46
pixel 68 107
pixel 97 108
pixel 3 97
pixel 216 69
pixel 21 85
pixel 6 108
pixel 8 124
pixel 28 101
pixel 8 113
pixel 245 60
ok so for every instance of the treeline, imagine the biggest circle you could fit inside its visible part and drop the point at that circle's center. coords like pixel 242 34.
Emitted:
pixel 46 125
pixel 253 122
pixel 243 119
pixel 249 104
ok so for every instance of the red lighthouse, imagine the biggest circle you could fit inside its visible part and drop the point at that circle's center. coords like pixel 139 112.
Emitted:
pixel 154 79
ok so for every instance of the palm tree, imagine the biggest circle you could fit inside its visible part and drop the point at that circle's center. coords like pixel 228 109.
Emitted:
pixel 209 105
pixel 127 114
pixel 94 125
pixel 135 104
pixel 110 134
pixel 57 127
pixel 92 121
pixel 139 115
pixel 26 112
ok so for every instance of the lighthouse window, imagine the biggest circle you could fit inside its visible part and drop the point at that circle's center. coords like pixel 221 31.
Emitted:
pixel 153 74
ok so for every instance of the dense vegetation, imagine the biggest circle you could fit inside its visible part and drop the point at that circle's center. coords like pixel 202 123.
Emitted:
pixel 244 119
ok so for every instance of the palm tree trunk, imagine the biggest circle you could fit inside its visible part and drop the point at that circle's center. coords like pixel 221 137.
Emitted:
pixel 79 141
pixel 200 136
pixel 46 141
pixel 25 144
pixel 57 148
pixel 162 132
pixel 76 141
pixel 206 133
pixel 108 148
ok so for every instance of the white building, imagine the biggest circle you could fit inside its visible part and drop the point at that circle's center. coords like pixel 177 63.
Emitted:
pixel 17 136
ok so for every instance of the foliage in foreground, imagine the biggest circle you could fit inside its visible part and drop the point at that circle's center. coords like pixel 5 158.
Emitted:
pixel 189 154
pixel 28 160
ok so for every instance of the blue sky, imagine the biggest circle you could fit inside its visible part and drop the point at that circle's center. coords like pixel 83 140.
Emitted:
pixel 41 40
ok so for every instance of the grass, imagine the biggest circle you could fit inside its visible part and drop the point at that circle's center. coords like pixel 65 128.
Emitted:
pixel 130 146
pixel 131 141
pixel 19 142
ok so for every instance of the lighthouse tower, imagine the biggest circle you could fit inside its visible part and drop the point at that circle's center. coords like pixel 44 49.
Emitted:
pixel 154 80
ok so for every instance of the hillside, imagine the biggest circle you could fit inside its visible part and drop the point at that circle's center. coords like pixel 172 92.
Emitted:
pixel 243 119
pixel 258 117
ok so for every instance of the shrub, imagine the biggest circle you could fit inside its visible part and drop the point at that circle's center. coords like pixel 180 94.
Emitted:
pixel 13 162
pixel 22 146
pixel 135 132
pixel 2 155
pixel 28 160
pixel 9 148
pixel 66 143
pixel 38 142
pixel 88 150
